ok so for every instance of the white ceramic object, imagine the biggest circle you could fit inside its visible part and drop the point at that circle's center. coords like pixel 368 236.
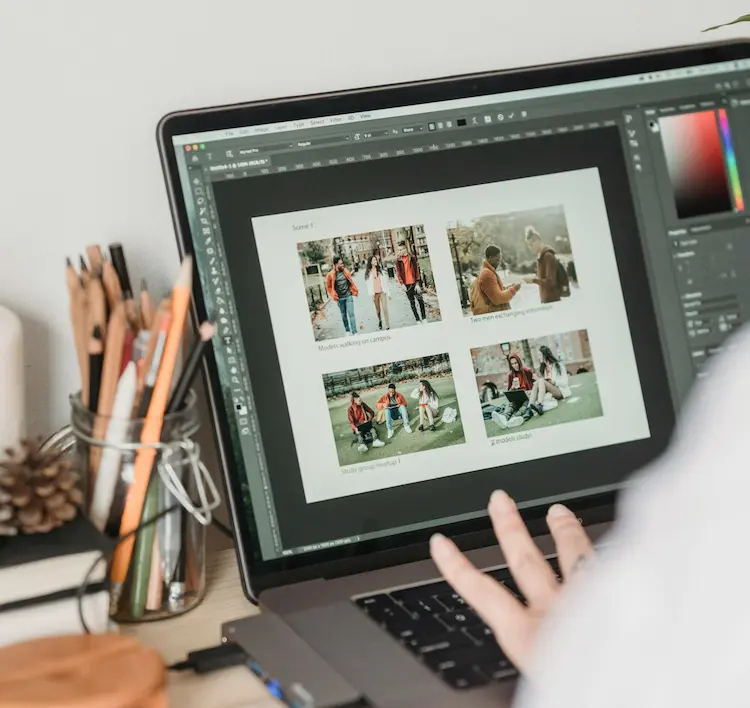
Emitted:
pixel 12 400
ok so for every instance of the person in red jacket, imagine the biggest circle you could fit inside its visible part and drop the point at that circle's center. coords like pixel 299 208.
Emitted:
pixel 394 405
pixel 521 378
pixel 360 417
pixel 407 272
pixel 340 286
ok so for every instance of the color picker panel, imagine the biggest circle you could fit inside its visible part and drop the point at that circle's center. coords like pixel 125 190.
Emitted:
pixel 695 162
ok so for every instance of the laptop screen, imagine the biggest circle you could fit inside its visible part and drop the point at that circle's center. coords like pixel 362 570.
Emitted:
pixel 419 304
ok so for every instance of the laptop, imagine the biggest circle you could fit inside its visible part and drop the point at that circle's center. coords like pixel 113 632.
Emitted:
pixel 335 240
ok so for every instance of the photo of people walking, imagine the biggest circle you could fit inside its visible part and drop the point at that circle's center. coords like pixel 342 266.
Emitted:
pixel 512 261
pixel 536 383
pixel 397 408
pixel 369 282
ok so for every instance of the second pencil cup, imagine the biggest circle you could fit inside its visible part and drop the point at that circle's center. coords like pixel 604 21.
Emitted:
pixel 166 573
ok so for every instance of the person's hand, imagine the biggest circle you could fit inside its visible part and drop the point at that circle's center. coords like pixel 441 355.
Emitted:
pixel 515 625
pixel 529 280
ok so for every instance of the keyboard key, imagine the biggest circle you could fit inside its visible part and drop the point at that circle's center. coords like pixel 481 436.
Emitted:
pixel 442 659
pixel 451 601
pixel 480 633
pixel 412 628
pixel 459 618
pixel 462 677
pixel 383 609
pixel 450 640
pixel 424 606
pixel 421 591
pixel 498 669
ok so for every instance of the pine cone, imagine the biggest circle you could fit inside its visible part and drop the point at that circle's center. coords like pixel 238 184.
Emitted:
pixel 38 490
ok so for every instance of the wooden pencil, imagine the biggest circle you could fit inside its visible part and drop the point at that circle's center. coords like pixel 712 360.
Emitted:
pixel 147 307
pixel 113 348
pixel 152 429
pixel 111 284
pixel 96 307
pixel 77 298
pixel 85 275
pixel 164 311
pixel 94 253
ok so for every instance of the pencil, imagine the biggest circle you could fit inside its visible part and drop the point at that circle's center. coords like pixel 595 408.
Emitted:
pixel 121 268
pixel 165 310
pixel 111 284
pixel 154 364
pixel 127 349
pixel 85 275
pixel 78 322
pixel 147 307
pixel 95 259
pixel 113 348
pixel 96 307
pixel 155 582
pixel 144 548
pixel 96 358
pixel 205 332
pixel 152 428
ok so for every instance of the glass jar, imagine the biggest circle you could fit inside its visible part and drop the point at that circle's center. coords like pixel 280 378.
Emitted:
pixel 166 574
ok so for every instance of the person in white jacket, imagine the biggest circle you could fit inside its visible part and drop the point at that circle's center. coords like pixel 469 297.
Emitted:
pixel 379 289
pixel 553 380
pixel 660 618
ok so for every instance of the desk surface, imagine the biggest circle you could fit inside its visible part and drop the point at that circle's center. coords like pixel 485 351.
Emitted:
pixel 199 629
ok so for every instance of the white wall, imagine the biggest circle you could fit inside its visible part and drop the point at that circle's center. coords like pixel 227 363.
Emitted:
pixel 84 82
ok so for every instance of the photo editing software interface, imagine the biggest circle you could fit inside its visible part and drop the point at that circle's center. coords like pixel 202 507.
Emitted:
pixel 428 329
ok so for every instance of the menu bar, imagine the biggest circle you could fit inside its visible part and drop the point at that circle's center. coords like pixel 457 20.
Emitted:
pixel 466 103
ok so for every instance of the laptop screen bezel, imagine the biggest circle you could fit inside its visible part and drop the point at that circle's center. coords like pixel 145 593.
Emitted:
pixel 258 575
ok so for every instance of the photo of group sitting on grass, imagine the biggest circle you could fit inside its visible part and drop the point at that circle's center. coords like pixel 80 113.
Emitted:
pixel 396 408
pixel 536 383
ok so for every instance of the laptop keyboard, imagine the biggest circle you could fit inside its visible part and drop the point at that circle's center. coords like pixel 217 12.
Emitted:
pixel 435 623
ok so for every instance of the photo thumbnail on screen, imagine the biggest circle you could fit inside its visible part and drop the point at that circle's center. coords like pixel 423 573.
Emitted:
pixel 395 408
pixel 368 282
pixel 536 383
pixel 514 261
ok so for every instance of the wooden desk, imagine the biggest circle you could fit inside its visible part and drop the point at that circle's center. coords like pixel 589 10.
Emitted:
pixel 199 629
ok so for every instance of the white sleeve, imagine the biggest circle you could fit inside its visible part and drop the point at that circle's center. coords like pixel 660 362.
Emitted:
pixel 662 618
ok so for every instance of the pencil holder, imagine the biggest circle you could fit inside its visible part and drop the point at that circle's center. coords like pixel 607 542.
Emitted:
pixel 166 552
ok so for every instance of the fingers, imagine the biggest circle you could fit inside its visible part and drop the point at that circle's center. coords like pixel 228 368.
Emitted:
pixel 574 547
pixel 534 576
pixel 495 604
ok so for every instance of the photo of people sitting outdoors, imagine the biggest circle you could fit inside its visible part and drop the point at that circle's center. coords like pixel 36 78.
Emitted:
pixel 397 408
pixel 369 282
pixel 512 261
pixel 536 383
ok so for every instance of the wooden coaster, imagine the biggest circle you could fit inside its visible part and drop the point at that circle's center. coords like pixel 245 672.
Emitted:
pixel 82 671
